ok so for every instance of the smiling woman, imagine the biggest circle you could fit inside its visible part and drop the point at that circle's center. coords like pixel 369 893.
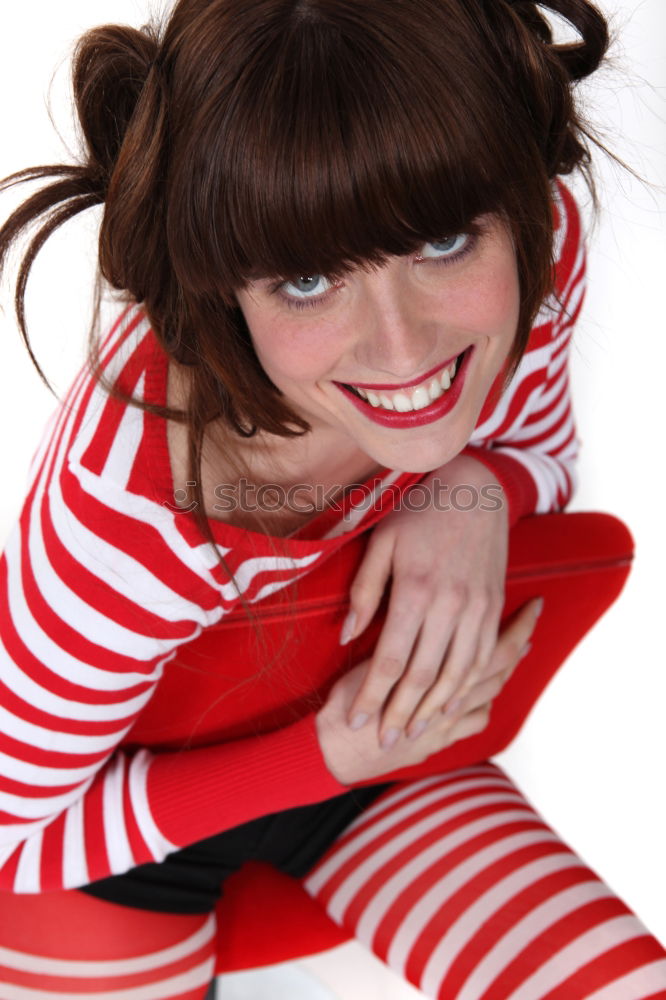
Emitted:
pixel 391 329
pixel 344 255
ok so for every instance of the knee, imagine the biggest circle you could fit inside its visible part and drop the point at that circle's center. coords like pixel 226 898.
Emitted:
pixel 66 942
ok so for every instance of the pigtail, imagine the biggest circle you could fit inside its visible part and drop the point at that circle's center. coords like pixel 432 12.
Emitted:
pixel 75 191
pixel 110 69
pixel 122 106
pixel 544 74
pixel 582 58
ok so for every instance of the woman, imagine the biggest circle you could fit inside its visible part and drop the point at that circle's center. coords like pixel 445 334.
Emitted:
pixel 306 204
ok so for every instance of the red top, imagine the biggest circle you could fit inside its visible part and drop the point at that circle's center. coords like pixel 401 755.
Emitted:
pixel 103 578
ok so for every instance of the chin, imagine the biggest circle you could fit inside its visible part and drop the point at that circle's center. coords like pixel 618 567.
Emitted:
pixel 414 463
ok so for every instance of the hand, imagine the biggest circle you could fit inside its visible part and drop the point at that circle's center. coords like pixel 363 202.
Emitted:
pixel 354 756
pixel 447 595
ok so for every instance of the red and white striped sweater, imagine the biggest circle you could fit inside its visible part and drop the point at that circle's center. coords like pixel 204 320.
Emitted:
pixel 102 580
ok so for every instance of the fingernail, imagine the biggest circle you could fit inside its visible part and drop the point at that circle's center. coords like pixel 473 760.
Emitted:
pixel 390 738
pixel 525 650
pixel 417 729
pixel 539 606
pixel 348 627
pixel 359 720
pixel 452 707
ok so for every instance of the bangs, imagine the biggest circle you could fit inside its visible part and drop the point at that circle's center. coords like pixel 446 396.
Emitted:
pixel 329 150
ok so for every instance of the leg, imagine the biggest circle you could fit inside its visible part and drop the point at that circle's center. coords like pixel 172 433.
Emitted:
pixel 460 886
pixel 69 944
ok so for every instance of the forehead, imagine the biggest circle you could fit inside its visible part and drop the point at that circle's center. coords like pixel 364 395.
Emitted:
pixel 339 144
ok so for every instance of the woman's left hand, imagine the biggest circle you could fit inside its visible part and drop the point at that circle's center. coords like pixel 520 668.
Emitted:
pixel 448 568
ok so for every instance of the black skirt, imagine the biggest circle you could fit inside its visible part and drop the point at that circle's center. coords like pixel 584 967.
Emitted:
pixel 191 880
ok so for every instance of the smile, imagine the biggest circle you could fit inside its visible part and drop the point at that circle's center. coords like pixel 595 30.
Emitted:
pixel 421 404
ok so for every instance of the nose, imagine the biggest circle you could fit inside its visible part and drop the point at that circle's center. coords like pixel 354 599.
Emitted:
pixel 397 338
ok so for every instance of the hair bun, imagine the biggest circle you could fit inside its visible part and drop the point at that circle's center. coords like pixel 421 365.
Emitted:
pixel 580 58
pixel 111 66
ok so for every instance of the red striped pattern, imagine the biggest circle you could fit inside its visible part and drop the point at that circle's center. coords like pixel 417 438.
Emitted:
pixel 532 425
pixel 70 945
pixel 101 581
pixel 460 886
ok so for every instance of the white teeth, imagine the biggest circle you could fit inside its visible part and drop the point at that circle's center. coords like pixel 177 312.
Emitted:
pixel 420 398
pixel 401 402
pixel 414 399
pixel 435 390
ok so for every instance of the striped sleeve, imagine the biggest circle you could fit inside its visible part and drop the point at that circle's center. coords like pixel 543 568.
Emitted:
pixel 97 592
pixel 529 440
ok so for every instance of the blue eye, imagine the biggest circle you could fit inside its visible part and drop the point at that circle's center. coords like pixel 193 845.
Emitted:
pixel 312 289
pixel 307 286
pixel 448 246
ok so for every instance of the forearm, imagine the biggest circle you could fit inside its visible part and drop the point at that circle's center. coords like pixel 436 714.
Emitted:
pixel 141 806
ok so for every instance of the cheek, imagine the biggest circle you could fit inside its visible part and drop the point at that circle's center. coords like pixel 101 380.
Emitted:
pixel 507 301
pixel 490 306
pixel 292 351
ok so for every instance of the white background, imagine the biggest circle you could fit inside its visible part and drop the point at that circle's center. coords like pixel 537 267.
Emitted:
pixel 591 757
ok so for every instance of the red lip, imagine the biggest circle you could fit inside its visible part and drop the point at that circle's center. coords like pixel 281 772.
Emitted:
pixel 414 418
pixel 407 385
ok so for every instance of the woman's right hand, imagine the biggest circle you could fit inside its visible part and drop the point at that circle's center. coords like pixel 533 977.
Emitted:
pixel 353 756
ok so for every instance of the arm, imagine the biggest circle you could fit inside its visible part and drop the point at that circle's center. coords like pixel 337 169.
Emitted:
pixel 97 592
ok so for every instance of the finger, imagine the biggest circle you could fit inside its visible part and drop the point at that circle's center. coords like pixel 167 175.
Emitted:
pixel 514 637
pixel 459 661
pixel 488 634
pixel 422 672
pixel 501 663
pixel 467 725
pixel 392 653
pixel 487 689
pixel 481 694
pixel 507 672
pixel 522 624
pixel 489 610
pixel 368 586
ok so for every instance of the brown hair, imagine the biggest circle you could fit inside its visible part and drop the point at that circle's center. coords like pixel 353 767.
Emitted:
pixel 225 142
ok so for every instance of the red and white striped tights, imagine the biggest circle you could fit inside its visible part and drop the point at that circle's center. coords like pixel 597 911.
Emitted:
pixel 454 881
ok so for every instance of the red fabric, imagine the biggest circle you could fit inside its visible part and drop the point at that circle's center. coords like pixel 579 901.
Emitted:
pixel 64 944
pixel 579 562
pixel 556 555
pixel 266 917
